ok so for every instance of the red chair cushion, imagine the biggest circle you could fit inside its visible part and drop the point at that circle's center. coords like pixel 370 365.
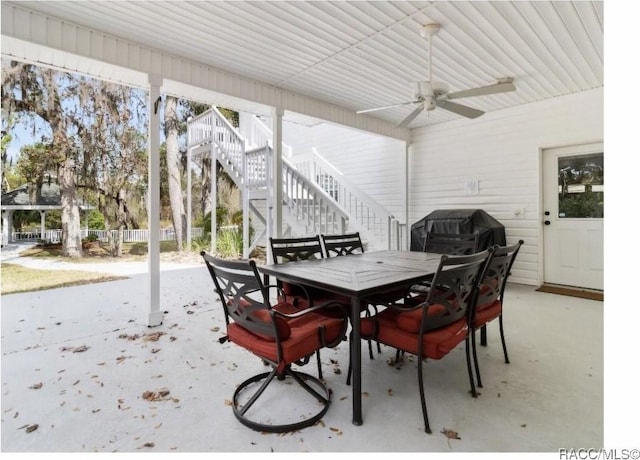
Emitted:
pixel 303 340
pixel 436 343
pixel 410 320
pixel 284 331
pixel 487 313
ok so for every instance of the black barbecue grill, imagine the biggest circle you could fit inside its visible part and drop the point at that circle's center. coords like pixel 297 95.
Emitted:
pixel 458 222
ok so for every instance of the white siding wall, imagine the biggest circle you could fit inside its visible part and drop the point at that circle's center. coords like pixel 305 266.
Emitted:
pixel 502 151
pixel 375 164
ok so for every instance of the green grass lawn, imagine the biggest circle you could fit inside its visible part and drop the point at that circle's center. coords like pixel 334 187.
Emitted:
pixel 130 251
pixel 16 278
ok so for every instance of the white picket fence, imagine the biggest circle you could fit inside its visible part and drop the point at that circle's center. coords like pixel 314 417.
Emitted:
pixel 129 236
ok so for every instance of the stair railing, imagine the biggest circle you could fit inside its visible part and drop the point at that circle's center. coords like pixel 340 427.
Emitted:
pixel 364 213
pixel 311 205
pixel 257 133
pixel 212 126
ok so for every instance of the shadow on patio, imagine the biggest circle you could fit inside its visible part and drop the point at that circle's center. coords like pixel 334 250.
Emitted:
pixel 81 364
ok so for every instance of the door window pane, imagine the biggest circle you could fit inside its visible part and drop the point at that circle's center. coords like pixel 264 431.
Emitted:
pixel 581 186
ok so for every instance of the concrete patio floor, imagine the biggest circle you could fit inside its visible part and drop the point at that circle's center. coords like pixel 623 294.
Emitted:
pixel 77 361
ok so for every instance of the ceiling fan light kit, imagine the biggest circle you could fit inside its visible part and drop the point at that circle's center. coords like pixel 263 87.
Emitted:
pixel 429 95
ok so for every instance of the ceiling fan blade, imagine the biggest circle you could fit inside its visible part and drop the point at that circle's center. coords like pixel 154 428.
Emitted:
pixel 386 107
pixel 459 109
pixel 404 123
pixel 502 86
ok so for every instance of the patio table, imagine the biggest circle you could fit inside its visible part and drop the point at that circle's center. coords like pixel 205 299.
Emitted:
pixel 359 277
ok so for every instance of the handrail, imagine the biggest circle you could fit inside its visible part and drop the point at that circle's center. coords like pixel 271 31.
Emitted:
pixel 365 213
pixel 256 160
pixel 311 205
pixel 257 133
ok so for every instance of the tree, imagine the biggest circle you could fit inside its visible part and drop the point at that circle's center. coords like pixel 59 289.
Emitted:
pixel 111 139
pixel 171 131
pixel 94 142
pixel 34 93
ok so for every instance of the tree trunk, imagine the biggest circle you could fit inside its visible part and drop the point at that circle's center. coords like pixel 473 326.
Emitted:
pixel 205 199
pixel 71 231
pixel 173 168
pixel 122 215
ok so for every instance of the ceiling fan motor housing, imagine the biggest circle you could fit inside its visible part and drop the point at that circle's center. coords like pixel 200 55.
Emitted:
pixel 430 102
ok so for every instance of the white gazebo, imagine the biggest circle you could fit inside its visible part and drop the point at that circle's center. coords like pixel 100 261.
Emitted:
pixel 23 198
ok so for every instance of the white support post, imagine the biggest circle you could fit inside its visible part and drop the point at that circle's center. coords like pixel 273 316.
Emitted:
pixel 214 196
pixel 276 129
pixel 245 204
pixel 6 231
pixel 405 199
pixel 155 315
pixel 269 216
pixel 43 215
pixel 189 199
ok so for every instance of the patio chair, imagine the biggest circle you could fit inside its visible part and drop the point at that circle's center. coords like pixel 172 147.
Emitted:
pixel 434 328
pixel 280 335
pixel 342 245
pixel 490 299
pixel 445 243
pixel 286 250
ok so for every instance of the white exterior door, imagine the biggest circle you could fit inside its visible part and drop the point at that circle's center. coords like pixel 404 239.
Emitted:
pixel 573 215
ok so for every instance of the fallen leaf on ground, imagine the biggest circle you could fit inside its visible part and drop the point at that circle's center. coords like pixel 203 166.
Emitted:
pixel 79 349
pixel 36 386
pixel 129 337
pixel 153 336
pixel 160 395
pixel 450 434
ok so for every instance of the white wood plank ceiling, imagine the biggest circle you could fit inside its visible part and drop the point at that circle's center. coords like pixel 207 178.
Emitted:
pixel 359 54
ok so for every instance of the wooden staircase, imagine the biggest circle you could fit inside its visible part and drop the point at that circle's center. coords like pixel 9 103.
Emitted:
pixel 316 197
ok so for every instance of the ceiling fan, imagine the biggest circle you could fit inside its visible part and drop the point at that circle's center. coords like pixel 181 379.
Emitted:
pixel 428 95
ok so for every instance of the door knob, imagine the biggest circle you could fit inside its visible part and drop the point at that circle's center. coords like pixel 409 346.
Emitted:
pixel 547 222
pixel 546 213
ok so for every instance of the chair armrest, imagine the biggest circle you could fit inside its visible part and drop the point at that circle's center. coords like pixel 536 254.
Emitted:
pixel 306 311
pixel 405 307
pixel 278 288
